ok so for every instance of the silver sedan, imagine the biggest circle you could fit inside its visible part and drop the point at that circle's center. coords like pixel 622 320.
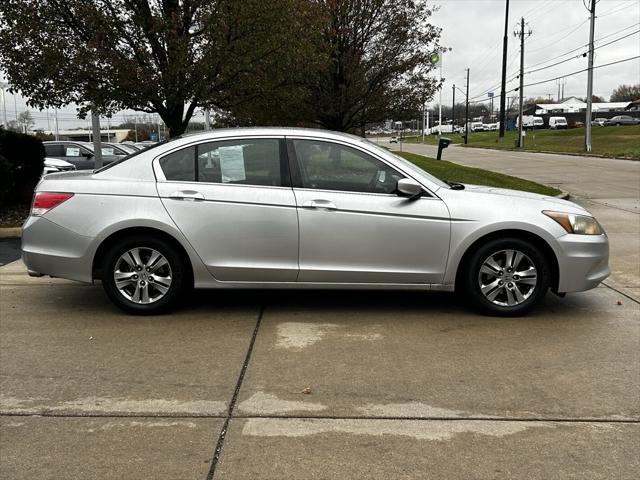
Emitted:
pixel 299 208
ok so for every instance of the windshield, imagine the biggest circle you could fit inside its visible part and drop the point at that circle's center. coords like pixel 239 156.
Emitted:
pixel 406 163
pixel 131 155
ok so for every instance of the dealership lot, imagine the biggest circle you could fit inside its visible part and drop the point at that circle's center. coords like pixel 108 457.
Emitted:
pixel 333 384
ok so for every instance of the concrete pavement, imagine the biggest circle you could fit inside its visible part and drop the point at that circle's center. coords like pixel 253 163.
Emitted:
pixel 318 385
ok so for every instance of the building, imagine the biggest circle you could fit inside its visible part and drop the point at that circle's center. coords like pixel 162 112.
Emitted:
pixel 80 135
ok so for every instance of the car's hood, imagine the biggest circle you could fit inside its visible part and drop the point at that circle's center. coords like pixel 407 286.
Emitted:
pixel 557 202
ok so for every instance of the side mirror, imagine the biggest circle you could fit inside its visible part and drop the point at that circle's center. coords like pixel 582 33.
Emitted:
pixel 87 155
pixel 408 187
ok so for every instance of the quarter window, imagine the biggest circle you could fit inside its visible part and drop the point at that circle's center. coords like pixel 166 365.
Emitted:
pixel 331 166
pixel 180 165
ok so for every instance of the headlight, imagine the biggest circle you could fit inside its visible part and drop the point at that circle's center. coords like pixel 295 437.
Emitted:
pixel 577 224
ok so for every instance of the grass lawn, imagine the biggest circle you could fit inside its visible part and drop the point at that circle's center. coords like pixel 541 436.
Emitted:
pixel 622 141
pixel 457 173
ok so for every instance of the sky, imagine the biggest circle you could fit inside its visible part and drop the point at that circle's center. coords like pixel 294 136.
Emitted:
pixel 474 29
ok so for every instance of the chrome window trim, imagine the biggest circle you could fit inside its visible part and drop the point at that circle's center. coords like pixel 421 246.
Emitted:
pixel 160 176
pixel 367 152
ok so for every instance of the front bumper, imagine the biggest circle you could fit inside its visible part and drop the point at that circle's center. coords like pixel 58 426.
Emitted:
pixel 583 262
pixel 49 249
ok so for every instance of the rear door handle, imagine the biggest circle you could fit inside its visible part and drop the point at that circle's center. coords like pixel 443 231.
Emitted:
pixel 187 195
pixel 324 204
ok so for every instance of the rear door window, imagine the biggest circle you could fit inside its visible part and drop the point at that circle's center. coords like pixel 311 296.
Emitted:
pixel 246 162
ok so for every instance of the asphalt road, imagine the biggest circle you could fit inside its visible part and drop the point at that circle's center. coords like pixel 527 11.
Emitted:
pixel 9 250
pixel 315 385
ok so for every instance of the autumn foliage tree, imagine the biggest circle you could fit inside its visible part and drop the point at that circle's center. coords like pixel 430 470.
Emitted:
pixel 160 56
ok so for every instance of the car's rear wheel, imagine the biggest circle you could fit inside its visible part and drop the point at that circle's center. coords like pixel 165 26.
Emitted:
pixel 143 275
pixel 507 277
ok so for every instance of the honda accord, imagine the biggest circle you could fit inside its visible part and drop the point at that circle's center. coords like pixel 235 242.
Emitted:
pixel 301 208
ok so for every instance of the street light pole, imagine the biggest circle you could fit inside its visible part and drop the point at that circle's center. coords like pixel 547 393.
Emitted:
pixel 587 121
pixel 97 141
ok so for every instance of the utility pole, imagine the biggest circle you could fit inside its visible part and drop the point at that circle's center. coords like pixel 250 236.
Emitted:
pixel 503 92
pixel 466 115
pixel 97 143
pixel 522 34
pixel 587 121
pixel 207 120
pixel 453 108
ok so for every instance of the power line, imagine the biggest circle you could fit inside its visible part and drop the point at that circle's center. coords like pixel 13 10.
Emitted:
pixel 561 38
pixel 584 45
pixel 580 55
pixel 576 72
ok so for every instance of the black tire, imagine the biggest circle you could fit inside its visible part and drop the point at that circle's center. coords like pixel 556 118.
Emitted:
pixel 177 273
pixel 470 282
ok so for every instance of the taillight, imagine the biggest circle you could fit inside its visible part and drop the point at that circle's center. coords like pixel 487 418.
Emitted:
pixel 45 201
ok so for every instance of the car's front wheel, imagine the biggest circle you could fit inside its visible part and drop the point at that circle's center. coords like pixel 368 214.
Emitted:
pixel 143 275
pixel 507 277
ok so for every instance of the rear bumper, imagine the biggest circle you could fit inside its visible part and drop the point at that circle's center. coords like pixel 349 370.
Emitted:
pixel 49 249
pixel 583 262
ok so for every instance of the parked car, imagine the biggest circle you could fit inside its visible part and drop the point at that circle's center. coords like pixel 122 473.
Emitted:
pixel 530 121
pixel 117 148
pixel 557 123
pixel 393 140
pixel 577 124
pixel 55 165
pixel 301 208
pixel 79 154
pixel 131 146
pixel 622 120
pixel 598 121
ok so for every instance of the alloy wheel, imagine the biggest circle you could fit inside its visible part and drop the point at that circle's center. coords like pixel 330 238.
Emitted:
pixel 142 275
pixel 507 278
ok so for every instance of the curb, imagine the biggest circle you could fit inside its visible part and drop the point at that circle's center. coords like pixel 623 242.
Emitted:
pixel 11 232
pixel 548 152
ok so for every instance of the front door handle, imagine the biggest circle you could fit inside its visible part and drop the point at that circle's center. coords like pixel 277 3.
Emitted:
pixel 187 195
pixel 324 204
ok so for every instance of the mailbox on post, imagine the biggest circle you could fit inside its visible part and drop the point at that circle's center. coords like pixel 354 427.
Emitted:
pixel 442 144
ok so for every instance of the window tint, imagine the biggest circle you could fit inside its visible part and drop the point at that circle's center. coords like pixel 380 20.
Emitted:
pixel 54 150
pixel 247 161
pixel 180 165
pixel 330 166
pixel 72 151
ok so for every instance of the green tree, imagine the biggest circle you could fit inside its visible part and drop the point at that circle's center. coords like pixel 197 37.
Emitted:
pixel 625 93
pixel 376 61
pixel 159 56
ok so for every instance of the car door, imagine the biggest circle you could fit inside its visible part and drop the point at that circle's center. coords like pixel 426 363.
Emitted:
pixel 354 228
pixel 233 201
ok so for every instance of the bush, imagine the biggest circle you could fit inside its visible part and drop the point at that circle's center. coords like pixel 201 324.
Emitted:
pixel 21 163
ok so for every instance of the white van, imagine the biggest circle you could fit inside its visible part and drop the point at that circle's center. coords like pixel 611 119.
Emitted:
pixel 557 122
pixel 530 121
